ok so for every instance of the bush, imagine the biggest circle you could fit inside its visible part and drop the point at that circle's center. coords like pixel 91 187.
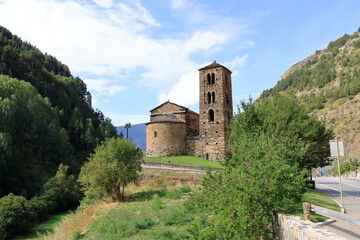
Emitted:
pixel 113 166
pixel 40 207
pixel 61 192
pixel 16 216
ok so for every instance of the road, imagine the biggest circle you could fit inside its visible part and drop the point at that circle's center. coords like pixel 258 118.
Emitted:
pixel 351 202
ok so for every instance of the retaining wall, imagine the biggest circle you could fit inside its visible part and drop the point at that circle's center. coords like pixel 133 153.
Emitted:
pixel 293 228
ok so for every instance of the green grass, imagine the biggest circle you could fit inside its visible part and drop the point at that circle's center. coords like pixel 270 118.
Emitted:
pixel 44 227
pixel 185 160
pixel 314 197
pixel 162 214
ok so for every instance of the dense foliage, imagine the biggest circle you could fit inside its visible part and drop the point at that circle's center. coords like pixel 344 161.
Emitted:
pixel 244 201
pixel 340 61
pixel 46 118
pixel 273 144
pixel 294 136
pixel 110 169
pixel 18 215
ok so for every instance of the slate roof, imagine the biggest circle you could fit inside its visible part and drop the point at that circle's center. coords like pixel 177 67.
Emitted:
pixel 185 108
pixel 168 118
pixel 213 65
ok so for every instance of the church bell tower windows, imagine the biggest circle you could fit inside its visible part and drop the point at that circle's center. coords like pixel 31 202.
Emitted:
pixel 211 115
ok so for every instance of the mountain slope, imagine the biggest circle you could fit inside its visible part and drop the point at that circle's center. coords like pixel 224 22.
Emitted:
pixel 328 84
pixel 52 106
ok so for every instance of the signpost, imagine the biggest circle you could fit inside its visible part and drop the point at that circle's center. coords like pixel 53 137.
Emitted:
pixel 337 150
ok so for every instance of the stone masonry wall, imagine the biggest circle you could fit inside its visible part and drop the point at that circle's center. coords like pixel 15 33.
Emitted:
pixel 192 123
pixel 165 139
pixel 193 146
pixel 293 228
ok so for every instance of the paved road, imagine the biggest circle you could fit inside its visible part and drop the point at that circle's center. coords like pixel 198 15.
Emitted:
pixel 351 202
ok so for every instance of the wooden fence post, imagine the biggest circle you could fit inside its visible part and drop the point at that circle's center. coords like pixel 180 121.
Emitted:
pixel 306 208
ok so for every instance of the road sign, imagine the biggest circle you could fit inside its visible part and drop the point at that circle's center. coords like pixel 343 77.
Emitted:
pixel 337 148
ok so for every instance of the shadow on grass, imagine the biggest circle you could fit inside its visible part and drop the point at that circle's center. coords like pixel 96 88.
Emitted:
pixel 146 195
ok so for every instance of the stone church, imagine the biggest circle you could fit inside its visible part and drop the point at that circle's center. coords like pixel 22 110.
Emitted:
pixel 176 130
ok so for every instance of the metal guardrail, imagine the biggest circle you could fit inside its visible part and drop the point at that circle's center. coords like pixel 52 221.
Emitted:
pixel 329 213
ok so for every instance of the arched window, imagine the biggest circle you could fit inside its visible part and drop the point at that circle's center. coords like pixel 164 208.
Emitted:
pixel 207 156
pixel 213 97
pixel 208 77
pixel 213 78
pixel 208 97
pixel 211 115
pixel 155 134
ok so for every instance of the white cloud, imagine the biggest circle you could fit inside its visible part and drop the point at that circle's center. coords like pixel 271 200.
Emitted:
pixel 204 40
pixel 120 120
pixel 136 11
pixel 104 3
pixel 103 86
pixel 112 40
pixel 247 44
pixel 238 62
pixel 177 4
pixel 185 92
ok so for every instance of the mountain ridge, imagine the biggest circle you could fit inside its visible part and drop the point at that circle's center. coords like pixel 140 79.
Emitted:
pixel 328 84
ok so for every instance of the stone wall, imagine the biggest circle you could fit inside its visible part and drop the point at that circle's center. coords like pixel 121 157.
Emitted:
pixel 293 228
pixel 193 146
pixel 192 123
pixel 165 139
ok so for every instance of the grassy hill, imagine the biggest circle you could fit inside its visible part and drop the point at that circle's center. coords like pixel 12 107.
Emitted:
pixel 328 84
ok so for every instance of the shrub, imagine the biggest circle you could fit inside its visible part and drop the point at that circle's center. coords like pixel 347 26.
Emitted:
pixel 111 168
pixel 61 192
pixel 16 216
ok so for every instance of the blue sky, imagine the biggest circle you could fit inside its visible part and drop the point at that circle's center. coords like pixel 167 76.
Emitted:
pixel 136 54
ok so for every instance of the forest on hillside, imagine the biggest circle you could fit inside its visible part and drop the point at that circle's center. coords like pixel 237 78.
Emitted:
pixel 46 118
pixel 334 64
pixel 327 83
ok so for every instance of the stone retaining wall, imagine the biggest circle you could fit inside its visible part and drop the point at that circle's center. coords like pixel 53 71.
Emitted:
pixel 293 228
pixel 179 166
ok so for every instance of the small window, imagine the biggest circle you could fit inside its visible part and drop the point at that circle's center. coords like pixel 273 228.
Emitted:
pixel 208 77
pixel 213 78
pixel 211 115
pixel 155 134
pixel 213 97
pixel 208 97
pixel 207 156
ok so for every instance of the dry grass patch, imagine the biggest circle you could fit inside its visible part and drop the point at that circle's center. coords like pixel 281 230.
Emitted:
pixel 77 223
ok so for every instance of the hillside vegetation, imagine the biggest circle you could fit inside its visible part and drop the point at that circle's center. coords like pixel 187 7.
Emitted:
pixel 328 84
pixel 46 118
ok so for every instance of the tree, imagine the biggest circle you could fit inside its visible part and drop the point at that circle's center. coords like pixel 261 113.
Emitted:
pixel 16 216
pixel 110 169
pixel 298 138
pixel 243 201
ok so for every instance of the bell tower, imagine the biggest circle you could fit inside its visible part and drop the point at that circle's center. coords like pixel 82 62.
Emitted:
pixel 215 111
